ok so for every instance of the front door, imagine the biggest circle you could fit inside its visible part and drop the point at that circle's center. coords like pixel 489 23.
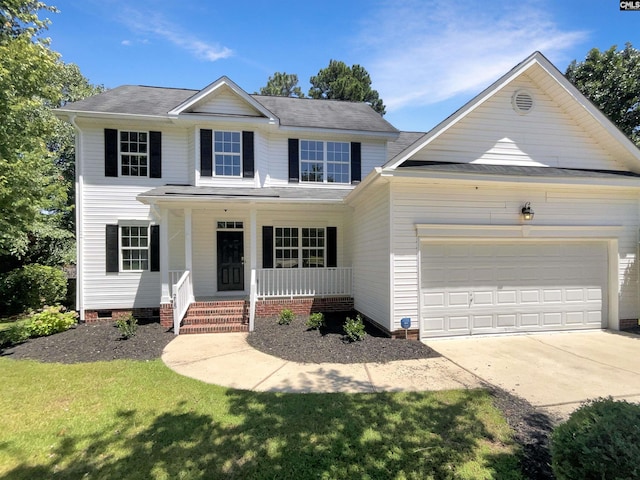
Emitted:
pixel 230 261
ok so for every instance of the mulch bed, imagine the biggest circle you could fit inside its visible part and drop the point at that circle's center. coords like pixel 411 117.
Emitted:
pixel 102 342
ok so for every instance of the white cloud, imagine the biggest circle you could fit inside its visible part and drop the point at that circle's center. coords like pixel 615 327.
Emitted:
pixel 427 51
pixel 157 25
pixel 126 43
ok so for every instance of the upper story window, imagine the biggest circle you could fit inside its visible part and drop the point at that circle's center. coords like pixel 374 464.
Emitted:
pixel 227 154
pixel 325 162
pixel 134 149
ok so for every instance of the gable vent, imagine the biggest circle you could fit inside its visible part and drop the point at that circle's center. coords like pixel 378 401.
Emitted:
pixel 522 101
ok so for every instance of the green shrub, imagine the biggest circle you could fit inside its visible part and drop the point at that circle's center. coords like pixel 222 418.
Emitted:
pixel 16 333
pixel 315 321
pixel 128 326
pixel 286 317
pixel 354 329
pixel 51 320
pixel 31 288
pixel 599 440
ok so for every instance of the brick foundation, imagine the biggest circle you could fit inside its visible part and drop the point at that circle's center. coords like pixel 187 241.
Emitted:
pixel 103 316
pixel 628 323
pixel 271 308
pixel 166 315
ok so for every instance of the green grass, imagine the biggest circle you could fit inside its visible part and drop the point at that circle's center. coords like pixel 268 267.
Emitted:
pixel 140 420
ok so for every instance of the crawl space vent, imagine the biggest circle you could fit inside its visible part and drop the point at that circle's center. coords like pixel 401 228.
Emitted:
pixel 522 101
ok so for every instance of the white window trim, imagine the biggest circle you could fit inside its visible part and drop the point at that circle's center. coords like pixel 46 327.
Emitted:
pixel 300 248
pixel 213 153
pixel 121 247
pixel 325 162
pixel 120 153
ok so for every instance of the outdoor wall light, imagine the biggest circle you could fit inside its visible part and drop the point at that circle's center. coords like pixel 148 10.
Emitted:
pixel 527 213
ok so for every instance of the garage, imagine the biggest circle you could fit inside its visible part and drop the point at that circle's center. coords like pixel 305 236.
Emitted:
pixel 487 287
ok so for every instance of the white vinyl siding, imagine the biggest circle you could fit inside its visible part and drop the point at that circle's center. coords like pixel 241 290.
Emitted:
pixel 226 102
pixel 496 134
pixel 371 255
pixel 489 204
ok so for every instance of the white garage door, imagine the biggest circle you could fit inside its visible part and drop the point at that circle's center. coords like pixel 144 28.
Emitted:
pixel 478 288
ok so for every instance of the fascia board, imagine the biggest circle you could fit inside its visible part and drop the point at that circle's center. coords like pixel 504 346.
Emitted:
pixel 335 131
pixel 475 178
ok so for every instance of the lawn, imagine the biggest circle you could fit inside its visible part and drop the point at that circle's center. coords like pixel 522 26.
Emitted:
pixel 139 420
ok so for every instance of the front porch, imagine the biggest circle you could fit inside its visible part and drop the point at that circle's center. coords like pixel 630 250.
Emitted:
pixel 302 291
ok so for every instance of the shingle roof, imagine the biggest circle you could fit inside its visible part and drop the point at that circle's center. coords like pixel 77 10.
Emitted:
pixel 513 170
pixel 289 193
pixel 394 147
pixel 293 112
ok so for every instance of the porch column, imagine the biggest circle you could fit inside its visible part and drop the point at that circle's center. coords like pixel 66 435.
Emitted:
pixel 253 249
pixel 164 256
pixel 188 249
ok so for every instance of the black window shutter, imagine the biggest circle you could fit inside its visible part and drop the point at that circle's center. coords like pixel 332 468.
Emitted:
pixel 111 248
pixel 206 153
pixel 110 152
pixel 356 162
pixel 294 160
pixel 267 247
pixel 155 154
pixel 247 155
pixel 154 245
pixel 332 247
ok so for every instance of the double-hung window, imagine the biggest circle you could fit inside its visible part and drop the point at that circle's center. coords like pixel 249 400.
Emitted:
pixel 134 160
pixel 227 154
pixel 325 162
pixel 134 242
pixel 299 247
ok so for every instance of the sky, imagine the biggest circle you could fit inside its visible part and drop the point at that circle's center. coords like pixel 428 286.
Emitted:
pixel 426 58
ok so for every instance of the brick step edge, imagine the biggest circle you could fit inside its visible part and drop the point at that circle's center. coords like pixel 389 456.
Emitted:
pixel 198 320
pixel 232 327
pixel 217 311
pixel 220 304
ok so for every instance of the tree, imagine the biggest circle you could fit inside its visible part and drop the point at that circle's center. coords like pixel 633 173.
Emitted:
pixel 36 149
pixel 341 82
pixel 611 80
pixel 282 84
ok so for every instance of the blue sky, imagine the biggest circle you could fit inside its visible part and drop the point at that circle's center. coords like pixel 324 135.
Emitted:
pixel 426 57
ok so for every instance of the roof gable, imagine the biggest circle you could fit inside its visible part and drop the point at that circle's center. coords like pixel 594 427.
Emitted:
pixel 223 97
pixel 562 130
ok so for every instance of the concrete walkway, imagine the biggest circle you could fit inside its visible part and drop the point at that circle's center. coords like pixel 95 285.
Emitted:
pixel 555 372
pixel 227 359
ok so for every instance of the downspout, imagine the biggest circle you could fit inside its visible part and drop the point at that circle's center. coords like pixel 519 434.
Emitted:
pixel 79 184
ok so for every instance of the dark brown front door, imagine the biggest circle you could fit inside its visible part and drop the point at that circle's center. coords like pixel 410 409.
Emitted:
pixel 230 261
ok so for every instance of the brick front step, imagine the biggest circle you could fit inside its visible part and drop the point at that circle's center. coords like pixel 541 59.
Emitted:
pixel 213 319
pixel 216 317
pixel 220 328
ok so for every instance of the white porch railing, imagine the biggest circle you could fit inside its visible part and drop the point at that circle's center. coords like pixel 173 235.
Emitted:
pixel 304 282
pixel 182 294
pixel 174 276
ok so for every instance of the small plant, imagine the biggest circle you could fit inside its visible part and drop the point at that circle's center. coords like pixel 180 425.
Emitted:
pixel 354 329
pixel 286 317
pixel 601 439
pixel 315 321
pixel 128 326
pixel 51 320
pixel 16 333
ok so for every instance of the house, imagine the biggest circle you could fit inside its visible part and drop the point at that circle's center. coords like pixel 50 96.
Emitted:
pixel 518 213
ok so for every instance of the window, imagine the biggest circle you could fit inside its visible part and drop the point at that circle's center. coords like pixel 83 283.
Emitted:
pixel 326 162
pixel 313 247
pixel 299 247
pixel 286 247
pixel 133 154
pixel 135 248
pixel 227 154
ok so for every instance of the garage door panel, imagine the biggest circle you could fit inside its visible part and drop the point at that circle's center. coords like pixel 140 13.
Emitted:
pixel 510 287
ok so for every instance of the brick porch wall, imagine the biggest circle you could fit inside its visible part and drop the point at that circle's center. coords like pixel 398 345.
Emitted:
pixel 166 315
pixel 272 307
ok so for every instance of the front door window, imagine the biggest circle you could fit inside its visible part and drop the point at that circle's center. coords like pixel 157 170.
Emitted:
pixel 230 260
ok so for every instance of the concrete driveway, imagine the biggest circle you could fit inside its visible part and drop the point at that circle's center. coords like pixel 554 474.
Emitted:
pixel 555 372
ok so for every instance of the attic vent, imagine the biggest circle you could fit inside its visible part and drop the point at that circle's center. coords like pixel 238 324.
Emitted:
pixel 522 101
